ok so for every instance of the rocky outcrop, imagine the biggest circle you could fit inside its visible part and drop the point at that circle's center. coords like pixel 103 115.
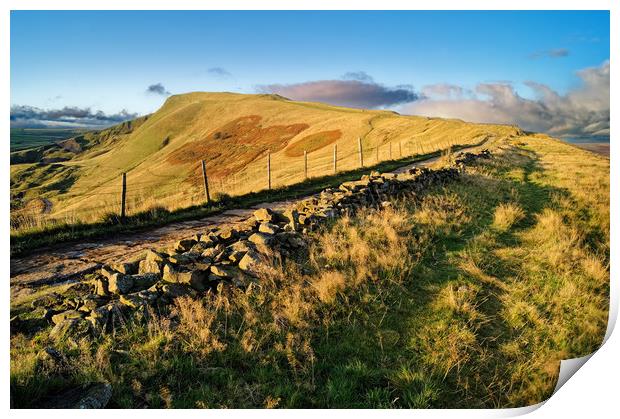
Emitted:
pixel 87 396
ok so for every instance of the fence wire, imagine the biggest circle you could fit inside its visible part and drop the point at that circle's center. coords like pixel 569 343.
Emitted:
pixel 171 192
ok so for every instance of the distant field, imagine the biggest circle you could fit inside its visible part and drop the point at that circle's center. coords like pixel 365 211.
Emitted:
pixel 22 138
pixel 600 148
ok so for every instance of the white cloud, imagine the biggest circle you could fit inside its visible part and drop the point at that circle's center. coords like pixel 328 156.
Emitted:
pixel 583 111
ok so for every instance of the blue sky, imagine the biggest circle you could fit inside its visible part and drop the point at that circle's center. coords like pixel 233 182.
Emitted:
pixel 107 60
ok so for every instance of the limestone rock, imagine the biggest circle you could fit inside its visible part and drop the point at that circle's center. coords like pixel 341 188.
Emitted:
pixel 69 314
pixel 101 287
pixel 87 396
pixel 152 263
pixel 184 245
pixel 263 215
pixel 72 327
pixel 261 239
pixel 144 281
pixel 138 299
pixel 120 283
pixel 222 271
pixel 196 279
pixel 250 262
pixel 268 228
pixel 127 268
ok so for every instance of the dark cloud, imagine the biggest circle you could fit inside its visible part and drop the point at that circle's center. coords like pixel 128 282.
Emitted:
pixel 157 89
pixel 582 112
pixel 550 53
pixel 352 93
pixel 69 116
pixel 219 71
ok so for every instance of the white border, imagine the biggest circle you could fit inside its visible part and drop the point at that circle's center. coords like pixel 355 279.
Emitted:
pixel 591 392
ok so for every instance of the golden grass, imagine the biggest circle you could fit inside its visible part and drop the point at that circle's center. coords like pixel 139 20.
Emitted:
pixel 466 296
pixel 507 215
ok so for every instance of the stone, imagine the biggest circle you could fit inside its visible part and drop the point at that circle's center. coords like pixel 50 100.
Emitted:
pixel 90 302
pixel 101 287
pixel 212 252
pixel 182 258
pixel 268 228
pixel 73 327
pixel 144 281
pixel 120 283
pixel 199 247
pixel 69 314
pixel 172 291
pixel 261 239
pixel 95 395
pixel 47 300
pixel 222 272
pixel 241 246
pixel 228 235
pixel 292 218
pixel 152 263
pixel 100 316
pixel 184 245
pixel 138 299
pixel 235 256
pixel 263 215
pixel 196 279
pixel 209 240
pixel 127 268
pixel 250 262
pixel 107 272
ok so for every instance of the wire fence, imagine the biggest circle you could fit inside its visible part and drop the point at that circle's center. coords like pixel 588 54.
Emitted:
pixel 130 193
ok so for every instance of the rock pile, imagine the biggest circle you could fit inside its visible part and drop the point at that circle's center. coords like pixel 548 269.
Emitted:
pixel 465 159
pixel 230 256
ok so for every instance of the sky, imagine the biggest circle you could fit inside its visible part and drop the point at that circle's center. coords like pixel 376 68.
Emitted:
pixel 544 70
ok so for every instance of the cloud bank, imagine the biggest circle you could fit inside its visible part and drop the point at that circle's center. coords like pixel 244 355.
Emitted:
pixel 157 89
pixel 582 112
pixel 69 116
pixel 356 89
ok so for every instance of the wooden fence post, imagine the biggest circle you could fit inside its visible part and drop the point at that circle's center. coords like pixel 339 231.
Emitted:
pixel 123 195
pixel 400 148
pixel 377 153
pixel 305 164
pixel 206 181
pixel 335 158
pixel 390 150
pixel 359 146
pixel 269 170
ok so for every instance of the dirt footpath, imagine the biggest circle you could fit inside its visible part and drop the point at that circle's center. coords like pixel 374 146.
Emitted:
pixel 66 261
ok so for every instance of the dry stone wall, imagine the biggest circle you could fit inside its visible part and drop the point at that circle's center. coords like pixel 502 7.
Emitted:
pixel 230 256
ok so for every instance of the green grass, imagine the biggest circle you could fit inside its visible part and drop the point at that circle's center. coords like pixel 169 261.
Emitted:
pixel 438 302
pixel 23 138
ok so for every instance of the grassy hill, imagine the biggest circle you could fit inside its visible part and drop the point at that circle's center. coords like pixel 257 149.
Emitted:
pixel 79 179
pixel 465 295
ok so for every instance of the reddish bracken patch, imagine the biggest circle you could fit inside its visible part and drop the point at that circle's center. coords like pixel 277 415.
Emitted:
pixel 313 142
pixel 232 146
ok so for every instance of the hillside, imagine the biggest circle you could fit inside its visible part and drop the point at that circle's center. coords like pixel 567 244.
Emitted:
pixel 80 177
pixel 462 286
